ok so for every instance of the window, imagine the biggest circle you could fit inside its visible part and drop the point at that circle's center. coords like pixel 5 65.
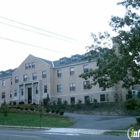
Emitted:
pixel 62 61
pixel 45 88
pixel 16 79
pixel 15 92
pixel 59 88
pixel 59 74
pixel 10 94
pixel 25 77
pixel 33 64
pixel 72 100
pixel 72 86
pixel 85 68
pixel 86 84
pixel 74 58
pixel 3 83
pixel 71 71
pixel 87 98
pixel 87 54
pixel 34 76
pixel 26 66
pixel 36 89
pixel 102 97
pixel 30 65
pixel 22 91
pixel 3 95
pixel 0 74
pixel 44 74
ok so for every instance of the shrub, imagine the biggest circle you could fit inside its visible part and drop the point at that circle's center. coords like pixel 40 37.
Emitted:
pixel 107 97
pixel 65 102
pixel 116 97
pixel 95 103
pixel 21 108
pixel 54 103
pixel 21 103
pixel 87 102
pixel 129 95
pixel 59 102
pixel 61 112
pixel 138 120
pixel 72 104
pixel 47 100
pixel 131 104
pixel 18 107
pixel 57 111
pixel 53 110
pixel 34 103
pixel 47 110
pixel 32 109
pixel 79 104
pixel 26 108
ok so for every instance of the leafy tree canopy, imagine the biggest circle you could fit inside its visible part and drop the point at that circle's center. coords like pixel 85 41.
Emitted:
pixel 123 66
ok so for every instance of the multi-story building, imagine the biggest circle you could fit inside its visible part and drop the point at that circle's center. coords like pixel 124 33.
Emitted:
pixel 36 78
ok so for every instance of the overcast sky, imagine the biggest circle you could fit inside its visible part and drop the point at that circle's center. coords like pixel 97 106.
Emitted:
pixel 65 27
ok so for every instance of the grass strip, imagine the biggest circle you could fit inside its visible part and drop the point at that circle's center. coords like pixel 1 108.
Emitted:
pixel 18 119
pixel 116 132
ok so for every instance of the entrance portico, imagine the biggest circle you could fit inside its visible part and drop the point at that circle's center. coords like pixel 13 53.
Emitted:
pixel 29 92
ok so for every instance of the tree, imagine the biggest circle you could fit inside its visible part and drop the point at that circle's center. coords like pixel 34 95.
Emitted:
pixel 5 110
pixel 41 113
pixel 123 66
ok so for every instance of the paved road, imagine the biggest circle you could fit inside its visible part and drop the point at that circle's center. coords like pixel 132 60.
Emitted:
pixel 101 122
pixel 85 128
pixel 43 135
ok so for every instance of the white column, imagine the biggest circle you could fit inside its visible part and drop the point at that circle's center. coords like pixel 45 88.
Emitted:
pixel 18 94
pixel 38 91
pixel 32 93
pixel 24 92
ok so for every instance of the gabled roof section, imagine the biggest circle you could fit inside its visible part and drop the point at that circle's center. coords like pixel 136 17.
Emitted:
pixel 46 61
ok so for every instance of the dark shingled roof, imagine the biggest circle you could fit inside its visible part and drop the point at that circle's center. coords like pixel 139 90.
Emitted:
pixel 61 62
pixel 7 73
pixel 66 61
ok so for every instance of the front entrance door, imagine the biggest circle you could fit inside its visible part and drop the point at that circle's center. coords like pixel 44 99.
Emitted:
pixel 29 95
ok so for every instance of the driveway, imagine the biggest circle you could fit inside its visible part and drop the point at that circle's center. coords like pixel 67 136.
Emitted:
pixel 101 122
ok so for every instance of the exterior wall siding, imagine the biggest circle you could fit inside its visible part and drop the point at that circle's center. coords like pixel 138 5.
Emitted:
pixel 36 87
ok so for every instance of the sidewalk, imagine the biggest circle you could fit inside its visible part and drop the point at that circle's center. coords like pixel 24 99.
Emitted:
pixel 75 131
pixel 56 130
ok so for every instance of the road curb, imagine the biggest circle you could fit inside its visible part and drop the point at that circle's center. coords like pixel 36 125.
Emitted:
pixel 23 127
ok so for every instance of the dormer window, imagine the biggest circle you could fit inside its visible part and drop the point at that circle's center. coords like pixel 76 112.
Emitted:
pixel 62 61
pixel 87 54
pixel 7 73
pixel 74 58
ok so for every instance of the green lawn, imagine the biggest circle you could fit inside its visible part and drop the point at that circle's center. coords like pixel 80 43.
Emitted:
pixel 18 119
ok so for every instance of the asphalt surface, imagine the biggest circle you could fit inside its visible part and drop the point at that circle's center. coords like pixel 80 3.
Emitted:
pixel 101 122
